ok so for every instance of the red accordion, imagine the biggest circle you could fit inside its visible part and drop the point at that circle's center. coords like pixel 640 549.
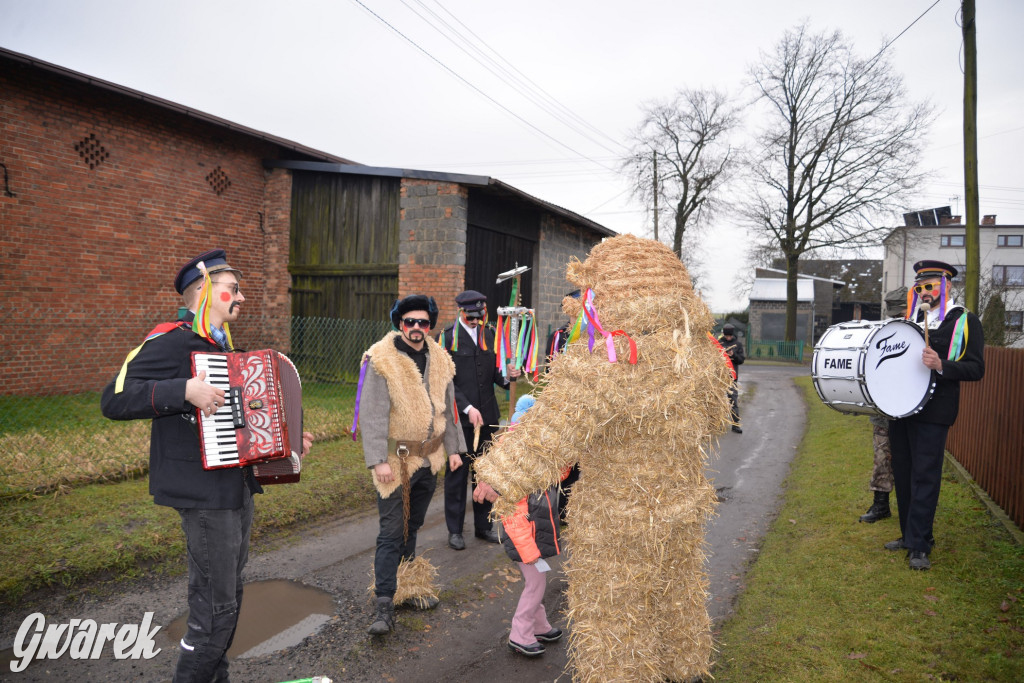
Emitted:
pixel 261 421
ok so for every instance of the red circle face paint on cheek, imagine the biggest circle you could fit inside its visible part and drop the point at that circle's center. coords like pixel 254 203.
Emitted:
pixel 225 297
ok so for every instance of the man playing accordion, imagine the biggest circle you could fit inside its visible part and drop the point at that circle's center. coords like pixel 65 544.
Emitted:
pixel 216 506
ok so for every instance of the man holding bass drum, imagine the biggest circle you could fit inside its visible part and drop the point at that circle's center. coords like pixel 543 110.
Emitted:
pixel 908 372
pixel 955 352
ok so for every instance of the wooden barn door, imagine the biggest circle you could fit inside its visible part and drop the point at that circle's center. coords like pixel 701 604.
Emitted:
pixel 489 253
pixel 501 234
pixel 344 246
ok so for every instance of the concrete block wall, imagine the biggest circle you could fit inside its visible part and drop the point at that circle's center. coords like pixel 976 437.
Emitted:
pixel 559 242
pixel 432 244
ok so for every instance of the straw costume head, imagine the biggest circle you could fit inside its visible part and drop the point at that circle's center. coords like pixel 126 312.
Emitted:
pixel 635 401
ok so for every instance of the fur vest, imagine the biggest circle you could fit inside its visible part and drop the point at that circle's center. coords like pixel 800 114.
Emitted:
pixel 418 403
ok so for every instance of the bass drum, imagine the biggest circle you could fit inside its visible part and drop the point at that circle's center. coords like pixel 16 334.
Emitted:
pixel 872 368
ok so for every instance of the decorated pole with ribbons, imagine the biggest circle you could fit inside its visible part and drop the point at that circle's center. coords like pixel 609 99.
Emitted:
pixel 516 337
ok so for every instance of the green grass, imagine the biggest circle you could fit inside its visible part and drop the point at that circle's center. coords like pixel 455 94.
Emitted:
pixel 57 442
pixel 115 529
pixel 825 602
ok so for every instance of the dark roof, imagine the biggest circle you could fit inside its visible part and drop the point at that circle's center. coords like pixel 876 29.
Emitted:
pixel 485 182
pixel 167 104
pixel 863 277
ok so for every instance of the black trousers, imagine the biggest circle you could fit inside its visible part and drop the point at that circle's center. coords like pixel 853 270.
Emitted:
pixel 734 402
pixel 918 449
pixel 217 542
pixel 455 484
pixel 392 545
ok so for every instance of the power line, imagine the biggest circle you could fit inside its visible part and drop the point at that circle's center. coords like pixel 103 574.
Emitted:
pixel 886 46
pixel 537 87
pixel 478 90
pixel 545 103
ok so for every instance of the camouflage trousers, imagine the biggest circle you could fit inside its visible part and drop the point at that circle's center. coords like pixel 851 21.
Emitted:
pixel 881 473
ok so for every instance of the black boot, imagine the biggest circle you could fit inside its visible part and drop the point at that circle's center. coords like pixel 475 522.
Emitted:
pixel 879 509
pixel 384 622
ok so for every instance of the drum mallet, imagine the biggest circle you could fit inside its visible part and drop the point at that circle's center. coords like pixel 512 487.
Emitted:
pixel 924 308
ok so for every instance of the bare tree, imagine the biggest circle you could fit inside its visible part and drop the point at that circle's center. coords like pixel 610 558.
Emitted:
pixel 679 158
pixel 992 298
pixel 840 146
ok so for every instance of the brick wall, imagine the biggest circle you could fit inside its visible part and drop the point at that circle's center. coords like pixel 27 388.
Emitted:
pixel 432 245
pixel 559 241
pixel 90 251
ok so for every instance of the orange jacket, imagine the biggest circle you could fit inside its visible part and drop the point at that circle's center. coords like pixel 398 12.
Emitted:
pixel 532 532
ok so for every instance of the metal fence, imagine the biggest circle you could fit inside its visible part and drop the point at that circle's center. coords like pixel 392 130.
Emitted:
pixel 988 437
pixel 776 350
pixel 51 442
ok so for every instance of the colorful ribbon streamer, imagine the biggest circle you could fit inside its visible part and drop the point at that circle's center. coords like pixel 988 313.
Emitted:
pixel 359 395
pixel 594 324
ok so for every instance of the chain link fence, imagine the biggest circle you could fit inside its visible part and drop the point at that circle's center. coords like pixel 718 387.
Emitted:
pixel 55 442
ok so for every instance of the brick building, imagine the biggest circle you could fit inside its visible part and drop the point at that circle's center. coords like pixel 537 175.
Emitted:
pixel 108 190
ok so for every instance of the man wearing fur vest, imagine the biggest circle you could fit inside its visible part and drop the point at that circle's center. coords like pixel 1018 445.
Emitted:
pixel 408 424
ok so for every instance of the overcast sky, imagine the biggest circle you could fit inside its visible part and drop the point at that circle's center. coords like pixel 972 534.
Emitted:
pixel 333 75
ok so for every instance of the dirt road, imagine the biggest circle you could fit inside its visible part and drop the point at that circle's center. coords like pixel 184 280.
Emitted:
pixel 464 639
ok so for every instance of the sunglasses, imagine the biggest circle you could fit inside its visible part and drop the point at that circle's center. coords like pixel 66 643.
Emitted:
pixel 416 322
pixel 232 286
pixel 926 287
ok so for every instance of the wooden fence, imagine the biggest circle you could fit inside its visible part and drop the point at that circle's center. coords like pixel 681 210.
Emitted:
pixel 988 437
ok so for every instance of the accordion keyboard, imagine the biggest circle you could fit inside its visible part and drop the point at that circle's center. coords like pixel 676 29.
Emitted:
pixel 219 431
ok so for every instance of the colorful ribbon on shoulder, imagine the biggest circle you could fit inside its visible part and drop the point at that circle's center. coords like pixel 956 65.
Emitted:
pixel 359 394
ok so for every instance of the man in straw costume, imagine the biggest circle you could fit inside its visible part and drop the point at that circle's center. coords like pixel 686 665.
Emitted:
pixel 405 411
pixel 636 405
pixel 955 353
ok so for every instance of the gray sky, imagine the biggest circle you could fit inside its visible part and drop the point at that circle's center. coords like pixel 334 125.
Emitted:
pixel 331 75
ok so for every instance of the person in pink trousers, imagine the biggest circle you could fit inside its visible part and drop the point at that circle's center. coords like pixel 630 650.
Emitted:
pixel 531 535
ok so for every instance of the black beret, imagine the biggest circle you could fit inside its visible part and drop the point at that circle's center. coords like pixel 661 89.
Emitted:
pixel 413 302
pixel 215 260
pixel 472 302
pixel 728 329
pixel 928 269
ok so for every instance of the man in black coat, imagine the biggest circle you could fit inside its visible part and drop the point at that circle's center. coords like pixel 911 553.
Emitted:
pixel 216 506
pixel 955 353
pixel 471 345
pixel 734 349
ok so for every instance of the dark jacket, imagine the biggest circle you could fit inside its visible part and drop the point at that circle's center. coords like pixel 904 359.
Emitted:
pixel 944 404
pixel 734 349
pixel 557 340
pixel 475 372
pixel 154 388
pixel 532 532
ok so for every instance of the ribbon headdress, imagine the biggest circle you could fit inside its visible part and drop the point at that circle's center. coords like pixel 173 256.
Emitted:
pixel 201 323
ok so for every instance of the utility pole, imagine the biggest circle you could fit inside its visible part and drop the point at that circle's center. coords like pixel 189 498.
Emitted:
pixel 972 276
pixel 656 193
